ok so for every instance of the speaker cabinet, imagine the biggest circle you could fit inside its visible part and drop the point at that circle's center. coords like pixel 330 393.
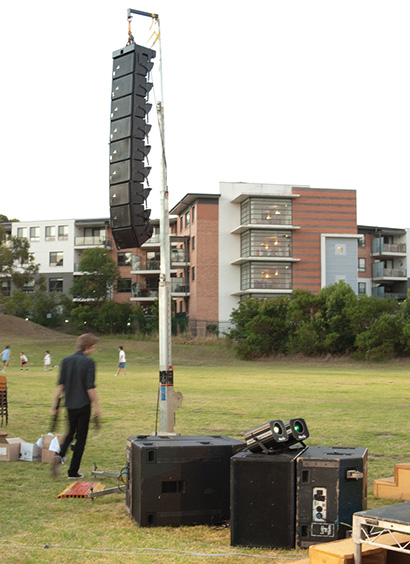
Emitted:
pixel 179 480
pixel 263 498
pixel 331 485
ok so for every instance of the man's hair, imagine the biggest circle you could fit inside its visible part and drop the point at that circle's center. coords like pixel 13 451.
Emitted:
pixel 85 341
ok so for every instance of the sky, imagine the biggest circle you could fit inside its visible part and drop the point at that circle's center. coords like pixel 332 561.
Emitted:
pixel 305 92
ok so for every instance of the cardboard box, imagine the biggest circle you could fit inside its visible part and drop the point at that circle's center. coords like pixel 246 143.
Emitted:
pixel 46 454
pixel 9 448
pixel 30 452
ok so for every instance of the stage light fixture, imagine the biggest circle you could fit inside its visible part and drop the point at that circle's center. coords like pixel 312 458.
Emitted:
pixel 275 435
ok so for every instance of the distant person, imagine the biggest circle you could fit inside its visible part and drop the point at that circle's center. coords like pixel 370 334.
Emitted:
pixel 23 361
pixel 77 382
pixel 121 361
pixel 47 361
pixel 5 357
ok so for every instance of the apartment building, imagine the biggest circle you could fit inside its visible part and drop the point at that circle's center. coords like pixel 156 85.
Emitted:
pixel 382 262
pixel 258 240
pixel 57 246
pixel 264 240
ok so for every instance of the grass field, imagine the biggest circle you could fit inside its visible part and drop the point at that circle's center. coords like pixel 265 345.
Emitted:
pixel 344 404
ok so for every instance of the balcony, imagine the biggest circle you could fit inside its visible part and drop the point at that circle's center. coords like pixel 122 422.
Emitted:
pixel 92 242
pixel 139 293
pixel 380 272
pixel 379 292
pixel 178 286
pixel 179 256
pixel 379 248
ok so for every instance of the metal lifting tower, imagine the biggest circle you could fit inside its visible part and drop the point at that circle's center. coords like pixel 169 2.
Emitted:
pixel 168 399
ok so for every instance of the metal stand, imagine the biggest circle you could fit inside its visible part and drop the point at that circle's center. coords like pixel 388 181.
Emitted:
pixel 381 528
pixel 101 474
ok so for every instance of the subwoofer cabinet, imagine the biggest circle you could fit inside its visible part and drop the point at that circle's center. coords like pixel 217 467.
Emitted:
pixel 331 485
pixel 263 499
pixel 179 480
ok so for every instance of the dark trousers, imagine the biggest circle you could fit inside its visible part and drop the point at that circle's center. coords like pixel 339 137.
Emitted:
pixel 79 420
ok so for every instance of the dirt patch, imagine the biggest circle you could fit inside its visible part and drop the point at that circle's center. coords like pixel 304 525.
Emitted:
pixel 11 326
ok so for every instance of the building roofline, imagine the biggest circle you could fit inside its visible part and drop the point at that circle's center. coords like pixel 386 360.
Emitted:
pixel 382 230
pixel 189 199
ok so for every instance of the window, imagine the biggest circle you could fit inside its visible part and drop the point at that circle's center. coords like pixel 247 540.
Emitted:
pixel 266 244
pixel 266 276
pixel 62 232
pixel 124 285
pixel 362 264
pixel 193 243
pixel 187 219
pixel 271 211
pixel 193 272
pixel 28 287
pixel 57 259
pixel 55 285
pixel 22 232
pixel 181 223
pixel 50 233
pixel 34 233
pixel 5 288
pixel 124 259
pixel 362 288
pixel 193 214
pixel 362 241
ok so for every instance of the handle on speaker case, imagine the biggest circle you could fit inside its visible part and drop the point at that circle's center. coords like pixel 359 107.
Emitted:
pixel 354 475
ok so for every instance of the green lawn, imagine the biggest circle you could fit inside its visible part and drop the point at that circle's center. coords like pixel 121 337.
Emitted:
pixel 344 404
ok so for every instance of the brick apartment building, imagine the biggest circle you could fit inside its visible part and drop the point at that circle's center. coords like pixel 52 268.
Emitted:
pixel 259 240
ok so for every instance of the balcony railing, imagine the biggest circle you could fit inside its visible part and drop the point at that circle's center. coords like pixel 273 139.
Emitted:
pixel 179 255
pixel 380 292
pixel 137 292
pixel 178 286
pixel 379 271
pixel 92 242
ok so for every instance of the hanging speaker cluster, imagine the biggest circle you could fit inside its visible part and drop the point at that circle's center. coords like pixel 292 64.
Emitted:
pixel 276 435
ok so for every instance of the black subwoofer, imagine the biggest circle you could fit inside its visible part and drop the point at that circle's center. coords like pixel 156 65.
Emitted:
pixel 179 480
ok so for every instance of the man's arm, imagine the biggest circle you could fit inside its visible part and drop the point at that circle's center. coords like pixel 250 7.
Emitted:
pixel 57 394
pixel 92 394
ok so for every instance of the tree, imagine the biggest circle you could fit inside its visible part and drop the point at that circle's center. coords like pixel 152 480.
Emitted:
pixel 99 275
pixel 16 261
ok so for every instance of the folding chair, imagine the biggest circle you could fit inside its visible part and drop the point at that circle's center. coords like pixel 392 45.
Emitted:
pixel 4 412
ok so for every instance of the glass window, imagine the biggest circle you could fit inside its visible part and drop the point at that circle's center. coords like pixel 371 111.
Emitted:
pixel 266 244
pixel 57 259
pixel 193 272
pixel 187 219
pixel 362 264
pixel 181 223
pixel 193 243
pixel 50 234
pixel 124 259
pixel 266 276
pixel 124 285
pixel 362 241
pixel 62 232
pixel 362 288
pixel 22 232
pixel 55 285
pixel 193 214
pixel 34 233
pixel 271 211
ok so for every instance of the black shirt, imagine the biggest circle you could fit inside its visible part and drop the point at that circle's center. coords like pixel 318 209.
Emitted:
pixel 77 375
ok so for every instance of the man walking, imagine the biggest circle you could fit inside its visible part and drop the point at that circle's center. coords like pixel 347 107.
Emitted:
pixel 77 382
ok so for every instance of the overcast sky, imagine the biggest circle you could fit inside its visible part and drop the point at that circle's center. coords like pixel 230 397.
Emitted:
pixel 311 92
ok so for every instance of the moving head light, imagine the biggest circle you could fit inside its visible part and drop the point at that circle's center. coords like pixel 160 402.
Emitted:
pixel 276 434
